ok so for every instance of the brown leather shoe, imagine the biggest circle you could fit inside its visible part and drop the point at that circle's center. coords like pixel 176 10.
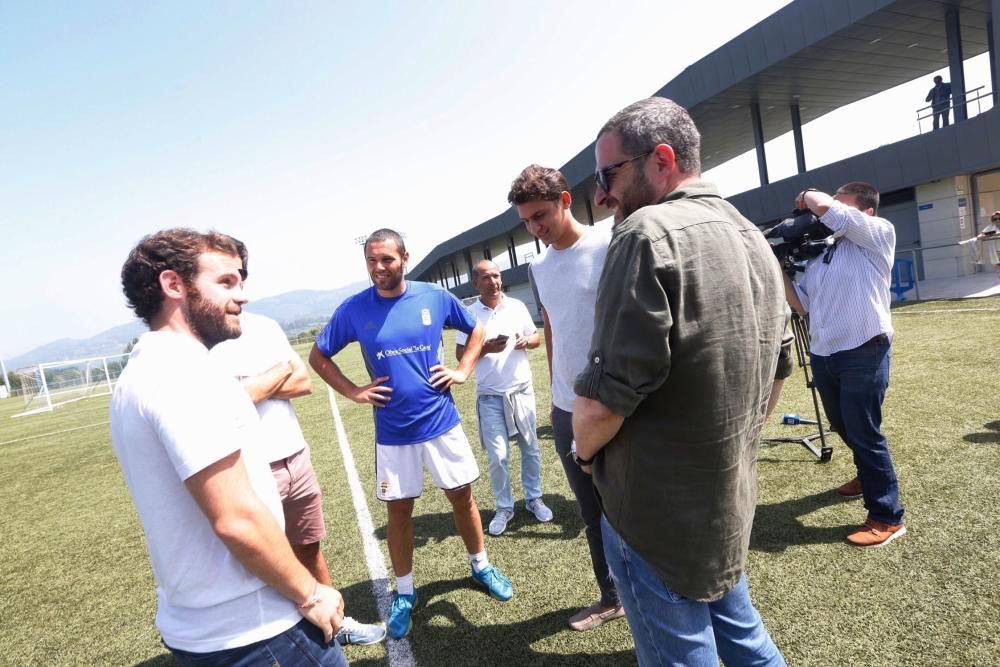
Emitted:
pixel 850 490
pixel 875 533
pixel 594 616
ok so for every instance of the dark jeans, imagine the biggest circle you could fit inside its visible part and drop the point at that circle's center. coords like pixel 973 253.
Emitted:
pixel 852 385
pixel 583 488
pixel 942 116
pixel 301 644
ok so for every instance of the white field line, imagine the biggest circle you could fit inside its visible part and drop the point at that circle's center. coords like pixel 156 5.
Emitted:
pixel 398 651
pixel 45 435
pixel 945 310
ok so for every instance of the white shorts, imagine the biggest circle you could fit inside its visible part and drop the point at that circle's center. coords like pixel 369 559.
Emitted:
pixel 399 469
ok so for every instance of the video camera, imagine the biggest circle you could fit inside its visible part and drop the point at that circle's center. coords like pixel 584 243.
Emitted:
pixel 797 239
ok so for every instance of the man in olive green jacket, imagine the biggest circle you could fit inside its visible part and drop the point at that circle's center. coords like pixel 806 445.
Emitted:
pixel 688 325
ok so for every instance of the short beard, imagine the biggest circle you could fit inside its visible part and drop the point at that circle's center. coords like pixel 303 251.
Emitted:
pixel 640 194
pixel 393 282
pixel 208 322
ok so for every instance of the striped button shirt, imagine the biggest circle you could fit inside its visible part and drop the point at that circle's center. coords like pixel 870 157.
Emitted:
pixel 848 297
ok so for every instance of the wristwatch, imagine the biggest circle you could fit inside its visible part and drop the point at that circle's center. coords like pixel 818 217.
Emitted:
pixel 577 459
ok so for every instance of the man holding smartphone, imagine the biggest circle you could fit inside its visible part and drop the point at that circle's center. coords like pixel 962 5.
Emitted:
pixel 505 395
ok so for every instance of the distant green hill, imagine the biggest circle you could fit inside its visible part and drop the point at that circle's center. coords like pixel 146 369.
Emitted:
pixel 295 311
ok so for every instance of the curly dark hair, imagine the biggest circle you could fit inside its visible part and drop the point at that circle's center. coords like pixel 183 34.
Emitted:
pixel 168 250
pixel 537 183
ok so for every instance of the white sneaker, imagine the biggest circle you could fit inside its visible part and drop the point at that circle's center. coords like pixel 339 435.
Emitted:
pixel 538 508
pixel 362 634
pixel 500 520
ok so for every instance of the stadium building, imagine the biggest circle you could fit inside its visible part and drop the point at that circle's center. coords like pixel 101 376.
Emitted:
pixel 799 64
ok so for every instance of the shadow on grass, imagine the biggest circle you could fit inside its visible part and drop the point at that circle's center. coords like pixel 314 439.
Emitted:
pixel 991 437
pixel 982 438
pixel 777 526
pixel 428 528
pixel 165 660
pixel 443 635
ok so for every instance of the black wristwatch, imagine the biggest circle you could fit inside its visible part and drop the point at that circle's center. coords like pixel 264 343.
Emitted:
pixel 584 462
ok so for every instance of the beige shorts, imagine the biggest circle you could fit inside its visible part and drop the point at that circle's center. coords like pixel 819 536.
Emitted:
pixel 399 469
pixel 300 498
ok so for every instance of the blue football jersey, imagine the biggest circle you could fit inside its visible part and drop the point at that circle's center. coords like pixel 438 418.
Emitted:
pixel 400 338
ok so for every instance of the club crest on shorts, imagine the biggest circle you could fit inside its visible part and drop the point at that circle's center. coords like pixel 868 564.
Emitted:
pixel 425 316
pixel 383 486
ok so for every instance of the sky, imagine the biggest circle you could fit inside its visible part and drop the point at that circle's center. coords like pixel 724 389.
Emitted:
pixel 298 127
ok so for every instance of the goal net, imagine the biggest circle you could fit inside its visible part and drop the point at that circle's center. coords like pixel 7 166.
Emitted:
pixel 48 385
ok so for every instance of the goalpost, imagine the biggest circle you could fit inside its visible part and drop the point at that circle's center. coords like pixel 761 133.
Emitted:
pixel 48 385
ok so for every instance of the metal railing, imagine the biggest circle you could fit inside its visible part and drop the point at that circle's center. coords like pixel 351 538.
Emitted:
pixel 912 253
pixel 978 99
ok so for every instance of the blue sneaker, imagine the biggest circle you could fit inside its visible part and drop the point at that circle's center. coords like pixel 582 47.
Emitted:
pixel 399 614
pixel 360 634
pixel 497 585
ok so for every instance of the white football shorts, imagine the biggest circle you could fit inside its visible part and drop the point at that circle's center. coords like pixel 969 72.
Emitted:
pixel 399 469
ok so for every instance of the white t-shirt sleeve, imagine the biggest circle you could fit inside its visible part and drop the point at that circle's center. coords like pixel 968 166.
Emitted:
pixel 202 421
pixel 276 342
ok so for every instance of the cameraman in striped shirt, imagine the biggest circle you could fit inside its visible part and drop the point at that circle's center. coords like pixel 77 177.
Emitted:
pixel 845 292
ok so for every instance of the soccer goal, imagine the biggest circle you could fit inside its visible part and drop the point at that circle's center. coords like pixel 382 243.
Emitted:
pixel 48 385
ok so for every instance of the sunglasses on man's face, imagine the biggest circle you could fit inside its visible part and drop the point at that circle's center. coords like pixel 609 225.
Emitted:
pixel 603 174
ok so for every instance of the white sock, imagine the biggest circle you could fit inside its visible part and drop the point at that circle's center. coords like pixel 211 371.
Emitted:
pixel 479 561
pixel 404 584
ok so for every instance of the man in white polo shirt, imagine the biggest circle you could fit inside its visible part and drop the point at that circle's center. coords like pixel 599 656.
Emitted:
pixel 505 396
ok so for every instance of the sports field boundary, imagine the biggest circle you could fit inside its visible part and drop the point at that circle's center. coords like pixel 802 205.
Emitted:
pixel 398 651
pixel 46 435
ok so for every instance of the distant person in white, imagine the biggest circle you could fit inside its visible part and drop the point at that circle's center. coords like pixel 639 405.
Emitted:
pixel 187 437
pixel 505 395
pixel 990 236
pixel 845 291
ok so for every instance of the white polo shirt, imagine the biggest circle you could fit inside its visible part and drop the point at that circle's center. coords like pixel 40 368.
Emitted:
pixel 173 414
pixel 502 372
pixel 262 345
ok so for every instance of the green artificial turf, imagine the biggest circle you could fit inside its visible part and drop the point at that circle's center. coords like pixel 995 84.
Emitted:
pixel 76 586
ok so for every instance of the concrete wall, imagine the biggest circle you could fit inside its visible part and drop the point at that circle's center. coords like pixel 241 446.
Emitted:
pixel 944 209
pixel 522 292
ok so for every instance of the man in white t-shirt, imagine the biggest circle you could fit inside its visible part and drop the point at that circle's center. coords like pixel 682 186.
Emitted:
pixel 505 396
pixel 187 439
pixel 272 374
pixel 564 280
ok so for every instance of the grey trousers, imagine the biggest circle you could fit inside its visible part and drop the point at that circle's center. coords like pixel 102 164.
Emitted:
pixel 590 510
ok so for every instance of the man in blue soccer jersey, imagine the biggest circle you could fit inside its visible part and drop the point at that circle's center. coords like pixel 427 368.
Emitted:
pixel 399 325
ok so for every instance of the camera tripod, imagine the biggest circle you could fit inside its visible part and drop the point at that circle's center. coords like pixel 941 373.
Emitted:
pixel 800 329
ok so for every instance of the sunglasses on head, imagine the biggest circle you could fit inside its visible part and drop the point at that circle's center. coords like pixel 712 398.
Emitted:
pixel 603 174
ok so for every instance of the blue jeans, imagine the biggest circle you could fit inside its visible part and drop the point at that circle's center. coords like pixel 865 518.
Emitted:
pixel 301 644
pixel 669 629
pixel 496 441
pixel 852 385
